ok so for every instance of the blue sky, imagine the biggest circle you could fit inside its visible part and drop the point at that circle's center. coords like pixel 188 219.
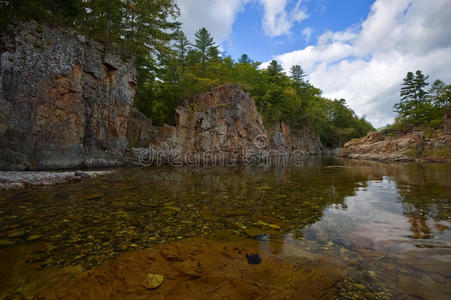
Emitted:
pixel 248 34
pixel 359 50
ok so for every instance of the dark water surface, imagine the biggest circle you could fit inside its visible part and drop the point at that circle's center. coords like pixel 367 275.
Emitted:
pixel 388 225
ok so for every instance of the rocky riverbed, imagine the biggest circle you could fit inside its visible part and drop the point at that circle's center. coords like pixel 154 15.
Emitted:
pixel 22 179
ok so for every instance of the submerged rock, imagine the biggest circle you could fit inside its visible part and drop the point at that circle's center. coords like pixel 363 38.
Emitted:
pixel 153 281
pixel 253 259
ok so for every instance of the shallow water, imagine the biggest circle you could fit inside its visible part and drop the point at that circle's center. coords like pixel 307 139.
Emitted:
pixel 388 225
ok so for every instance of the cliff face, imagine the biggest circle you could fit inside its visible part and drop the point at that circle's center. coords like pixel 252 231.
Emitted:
pixel 284 138
pixel 223 122
pixel 64 100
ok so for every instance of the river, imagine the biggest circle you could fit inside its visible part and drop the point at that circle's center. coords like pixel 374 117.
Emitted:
pixel 383 229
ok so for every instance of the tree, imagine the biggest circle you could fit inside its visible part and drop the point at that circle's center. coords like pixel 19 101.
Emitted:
pixel 244 59
pixel 53 12
pixel 203 42
pixel 274 68
pixel 297 74
pixel 413 106
pixel 440 94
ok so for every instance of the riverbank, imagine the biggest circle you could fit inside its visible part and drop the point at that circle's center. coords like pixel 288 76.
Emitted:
pixel 410 147
pixel 22 179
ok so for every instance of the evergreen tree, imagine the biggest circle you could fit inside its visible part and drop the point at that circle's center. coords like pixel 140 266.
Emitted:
pixel 440 94
pixel 244 59
pixel 297 74
pixel 274 68
pixel 414 103
pixel 204 41
pixel 182 46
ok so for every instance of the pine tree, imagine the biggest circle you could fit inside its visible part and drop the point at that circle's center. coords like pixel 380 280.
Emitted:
pixel 297 74
pixel 274 68
pixel 440 94
pixel 204 41
pixel 244 59
pixel 414 103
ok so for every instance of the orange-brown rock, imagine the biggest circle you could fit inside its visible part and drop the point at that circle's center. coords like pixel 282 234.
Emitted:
pixel 409 147
pixel 200 268
pixel 224 125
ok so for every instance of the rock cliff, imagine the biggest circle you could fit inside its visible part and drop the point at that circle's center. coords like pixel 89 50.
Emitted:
pixel 284 138
pixel 64 100
pixel 223 124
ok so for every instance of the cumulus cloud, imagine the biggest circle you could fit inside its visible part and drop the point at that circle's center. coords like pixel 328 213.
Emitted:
pixel 217 16
pixel 277 20
pixel 366 64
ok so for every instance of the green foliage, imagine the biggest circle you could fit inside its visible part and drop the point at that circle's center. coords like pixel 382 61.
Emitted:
pixel 55 12
pixel 418 107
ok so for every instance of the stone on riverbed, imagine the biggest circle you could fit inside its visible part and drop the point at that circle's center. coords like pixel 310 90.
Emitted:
pixel 153 281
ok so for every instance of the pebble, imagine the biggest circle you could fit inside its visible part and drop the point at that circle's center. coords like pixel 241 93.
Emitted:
pixel 359 286
pixel 6 243
pixel 253 259
pixel 34 237
pixel 16 234
pixel 153 281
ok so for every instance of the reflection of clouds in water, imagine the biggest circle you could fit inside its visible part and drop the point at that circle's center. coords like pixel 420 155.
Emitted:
pixel 374 218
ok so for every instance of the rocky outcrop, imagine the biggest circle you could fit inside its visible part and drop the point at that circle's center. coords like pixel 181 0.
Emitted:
pixel 64 100
pixel 409 147
pixel 284 138
pixel 222 125
pixel 447 121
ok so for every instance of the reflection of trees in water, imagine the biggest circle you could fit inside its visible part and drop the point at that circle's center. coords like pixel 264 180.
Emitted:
pixel 423 188
pixel 423 208
pixel 295 196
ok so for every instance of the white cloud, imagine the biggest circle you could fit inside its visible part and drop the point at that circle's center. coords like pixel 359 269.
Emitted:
pixel 277 21
pixel 366 64
pixel 217 16
pixel 307 33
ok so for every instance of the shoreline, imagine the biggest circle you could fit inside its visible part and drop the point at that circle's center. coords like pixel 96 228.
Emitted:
pixel 11 180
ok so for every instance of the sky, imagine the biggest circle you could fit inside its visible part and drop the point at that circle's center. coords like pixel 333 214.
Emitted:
pixel 359 50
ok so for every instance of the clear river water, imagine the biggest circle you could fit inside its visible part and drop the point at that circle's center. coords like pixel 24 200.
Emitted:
pixel 383 229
